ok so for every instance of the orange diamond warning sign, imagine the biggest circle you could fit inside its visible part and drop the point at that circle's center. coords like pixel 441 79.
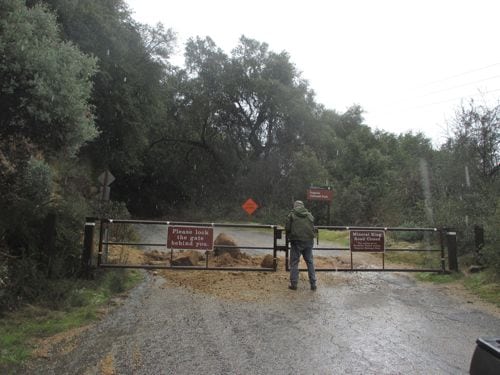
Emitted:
pixel 250 206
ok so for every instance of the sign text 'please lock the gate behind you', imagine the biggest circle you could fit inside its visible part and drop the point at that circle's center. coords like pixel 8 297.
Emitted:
pixel 190 238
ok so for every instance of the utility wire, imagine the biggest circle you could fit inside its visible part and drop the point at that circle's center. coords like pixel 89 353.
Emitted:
pixel 457 75
pixel 454 99
pixel 458 86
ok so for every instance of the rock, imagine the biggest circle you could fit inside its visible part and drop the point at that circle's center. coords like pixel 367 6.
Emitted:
pixel 225 240
pixel 186 259
pixel 156 255
pixel 225 260
pixel 267 262
pixel 476 269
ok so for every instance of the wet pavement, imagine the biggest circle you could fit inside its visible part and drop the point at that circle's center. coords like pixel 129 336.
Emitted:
pixel 355 323
pixel 364 324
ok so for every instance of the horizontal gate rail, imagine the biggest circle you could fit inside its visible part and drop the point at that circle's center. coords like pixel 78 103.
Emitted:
pixel 351 268
pixel 105 242
pixel 193 268
pixel 394 229
pixel 184 223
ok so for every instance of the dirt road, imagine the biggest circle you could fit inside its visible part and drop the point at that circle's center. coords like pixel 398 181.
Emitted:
pixel 354 323
pixel 218 322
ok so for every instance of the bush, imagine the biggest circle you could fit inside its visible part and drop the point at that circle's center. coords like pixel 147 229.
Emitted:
pixel 491 250
pixel 408 236
pixel 116 281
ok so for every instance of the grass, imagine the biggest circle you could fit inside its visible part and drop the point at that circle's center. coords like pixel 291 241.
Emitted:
pixel 482 284
pixel 340 237
pixel 83 305
pixel 420 259
pixel 485 286
pixel 439 278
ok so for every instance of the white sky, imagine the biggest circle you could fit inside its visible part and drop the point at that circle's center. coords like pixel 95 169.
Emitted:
pixel 409 64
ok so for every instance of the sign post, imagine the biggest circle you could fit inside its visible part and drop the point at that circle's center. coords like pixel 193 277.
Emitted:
pixel 106 179
pixel 321 194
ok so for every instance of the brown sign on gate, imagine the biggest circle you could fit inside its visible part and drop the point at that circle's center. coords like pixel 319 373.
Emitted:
pixel 367 240
pixel 190 238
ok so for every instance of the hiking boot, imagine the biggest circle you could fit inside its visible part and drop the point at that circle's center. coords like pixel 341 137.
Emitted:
pixel 292 287
pixel 313 287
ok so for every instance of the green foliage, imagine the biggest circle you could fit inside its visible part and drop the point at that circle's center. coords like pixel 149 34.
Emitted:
pixel 340 237
pixel 67 304
pixel 408 236
pixel 439 278
pixel 417 259
pixel 128 93
pixel 485 285
pixel 196 142
pixel 45 82
pixel 36 183
pixel 45 117
pixel 491 250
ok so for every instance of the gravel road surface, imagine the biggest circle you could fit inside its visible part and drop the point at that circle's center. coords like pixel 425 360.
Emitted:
pixel 368 324
pixel 355 323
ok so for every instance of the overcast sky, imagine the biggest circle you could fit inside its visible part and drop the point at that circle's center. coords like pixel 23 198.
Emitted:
pixel 409 64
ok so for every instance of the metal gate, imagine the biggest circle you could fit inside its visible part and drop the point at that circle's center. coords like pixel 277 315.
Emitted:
pixel 434 250
pixel 119 245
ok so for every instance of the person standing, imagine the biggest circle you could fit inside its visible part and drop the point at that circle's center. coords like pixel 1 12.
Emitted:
pixel 299 229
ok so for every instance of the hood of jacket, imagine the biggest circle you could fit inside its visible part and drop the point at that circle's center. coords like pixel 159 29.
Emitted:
pixel 301 211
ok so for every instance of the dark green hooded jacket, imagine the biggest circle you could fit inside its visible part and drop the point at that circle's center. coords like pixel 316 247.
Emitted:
pixel 299 224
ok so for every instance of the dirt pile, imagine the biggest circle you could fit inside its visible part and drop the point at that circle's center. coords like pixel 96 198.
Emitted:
pixel 189 258
pixel 233 285
pixel 225 244
pixel 252 286
pixel 267 261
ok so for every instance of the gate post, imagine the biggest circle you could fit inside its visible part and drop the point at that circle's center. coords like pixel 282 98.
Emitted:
pixel 276 236
pixel 88 247
pixel 451 242
pixel 101 239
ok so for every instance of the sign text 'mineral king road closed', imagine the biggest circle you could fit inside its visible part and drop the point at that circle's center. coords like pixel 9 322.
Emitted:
pixel 367 240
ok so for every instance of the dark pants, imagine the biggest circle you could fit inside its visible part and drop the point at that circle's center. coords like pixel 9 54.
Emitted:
pixel 297 249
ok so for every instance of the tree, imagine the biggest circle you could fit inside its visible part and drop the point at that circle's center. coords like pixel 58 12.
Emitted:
pixel 45 82
pixel 270 106
pixel 45 118
pixel 128 89
pixel 469 164
pixel 231 117
pixel 477 132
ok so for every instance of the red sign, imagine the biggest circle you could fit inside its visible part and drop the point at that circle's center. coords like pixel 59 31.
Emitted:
pixel 190 238
pixel 371 241
pixel 317 194
pixel 250 206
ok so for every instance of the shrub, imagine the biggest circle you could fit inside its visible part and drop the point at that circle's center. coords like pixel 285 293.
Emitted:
pixel 408 236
